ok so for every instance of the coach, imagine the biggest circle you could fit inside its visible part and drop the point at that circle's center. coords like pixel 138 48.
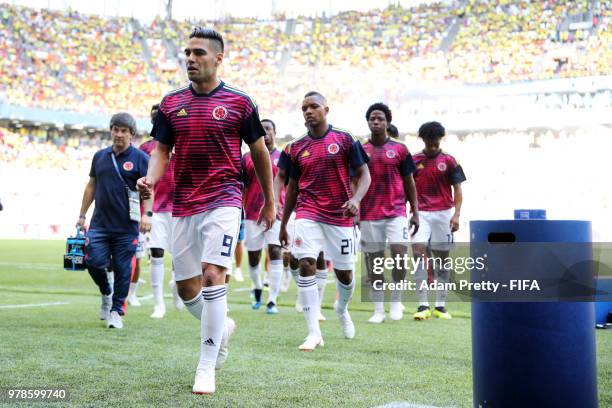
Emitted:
pixel 113 231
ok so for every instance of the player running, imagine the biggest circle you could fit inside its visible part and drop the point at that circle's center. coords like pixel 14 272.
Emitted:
pixel 206 122
pixel 255 234
pixel 382 218
pixel 438 179
pixel 319 190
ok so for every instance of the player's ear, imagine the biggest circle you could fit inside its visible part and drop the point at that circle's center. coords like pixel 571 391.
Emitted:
pixel 219 58
pixel 326 109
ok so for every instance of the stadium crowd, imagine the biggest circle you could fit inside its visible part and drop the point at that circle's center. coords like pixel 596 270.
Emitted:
pixel 86 63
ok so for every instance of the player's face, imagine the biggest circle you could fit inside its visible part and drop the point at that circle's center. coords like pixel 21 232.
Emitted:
pixel 432 146
pixel 202 61
pixel 377 122
pixel 270 134
pixel 314 111
pixel 121 137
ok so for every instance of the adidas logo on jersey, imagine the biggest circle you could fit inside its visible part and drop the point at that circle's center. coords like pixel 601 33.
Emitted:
pixel 209 342
pixel 306 153
pixel 182 112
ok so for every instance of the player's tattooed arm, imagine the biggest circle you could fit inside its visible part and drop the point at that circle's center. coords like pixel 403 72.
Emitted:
pixel 88 198
pixel 279 183
pixel 157 166
pixel 290 201
pixel 263 171
pixel 362 184
pixel 411 195
pixel 458 198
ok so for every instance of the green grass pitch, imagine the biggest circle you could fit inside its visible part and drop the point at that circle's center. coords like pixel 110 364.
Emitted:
pixel 152 362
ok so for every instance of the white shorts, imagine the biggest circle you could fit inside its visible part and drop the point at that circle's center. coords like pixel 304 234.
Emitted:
pixel 434 229
pixel 142 247
pixel 255 237
pixel 161 231
pixel 375 234
pixel 208 237
pixel 338 243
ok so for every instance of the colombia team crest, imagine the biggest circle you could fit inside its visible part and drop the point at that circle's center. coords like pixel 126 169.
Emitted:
pixel 442 166
pixel 219 113
pixel 333 148
pixel 128 166
pixel 390 153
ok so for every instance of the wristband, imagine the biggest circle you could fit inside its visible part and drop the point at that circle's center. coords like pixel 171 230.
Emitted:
pixel 149 213
pixel 82 217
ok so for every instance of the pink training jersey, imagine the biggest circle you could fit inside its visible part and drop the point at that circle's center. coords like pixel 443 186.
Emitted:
pixel 253 194
pixel 434 177
pixel 163 192
pixel 206 131
pixel 320 166
pixel 389 164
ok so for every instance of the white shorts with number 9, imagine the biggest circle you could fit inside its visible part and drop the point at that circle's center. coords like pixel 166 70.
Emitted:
pixel 434 229
pixel 208 237
pixel 338 243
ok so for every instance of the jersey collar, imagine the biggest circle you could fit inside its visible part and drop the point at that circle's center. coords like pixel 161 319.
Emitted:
pixel 432 157
pixel 211 93
pixel 329 128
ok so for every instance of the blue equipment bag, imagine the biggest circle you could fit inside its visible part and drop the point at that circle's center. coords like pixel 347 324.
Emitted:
pixel 74 258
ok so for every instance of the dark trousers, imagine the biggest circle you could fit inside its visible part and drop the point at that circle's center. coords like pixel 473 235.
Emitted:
pixel 103 246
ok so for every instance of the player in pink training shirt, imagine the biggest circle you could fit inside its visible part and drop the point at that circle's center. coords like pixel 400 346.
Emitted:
pixel 382 219
pixel 255 234
pixel 161 231
pixel 320 191
pixel 438 180
pixel 206 122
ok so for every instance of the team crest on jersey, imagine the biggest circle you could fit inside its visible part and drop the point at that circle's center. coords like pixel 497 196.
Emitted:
pixel 298 242
pixel 219 113
pixel 442 166
pixel 390 153
pixel 128 166
pixel 333 148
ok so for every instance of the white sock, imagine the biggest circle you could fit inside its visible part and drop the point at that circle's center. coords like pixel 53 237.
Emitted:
pixel 309 297
pixel 442 276
pixel 321 278
pixel 276 275
pixel 133 288
pixel 295 274
pixel 255 273
pixel 345 293
pixel 378 298
pixel 157 279
pixel 195 305
pixel 212 324
pixel 420 276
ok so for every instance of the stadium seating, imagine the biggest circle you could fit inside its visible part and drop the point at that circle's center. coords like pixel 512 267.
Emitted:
pixel 88 63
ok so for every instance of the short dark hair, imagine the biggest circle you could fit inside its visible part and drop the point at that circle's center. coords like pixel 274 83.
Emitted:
pixel 123 119
pixel 208 33
pixel 314 93
pixel 155 106
pixel 431 130
pixel 379 106
pixel 270 121
pixel 392 131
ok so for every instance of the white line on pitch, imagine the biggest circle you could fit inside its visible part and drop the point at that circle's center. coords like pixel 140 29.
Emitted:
pixel 33 305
